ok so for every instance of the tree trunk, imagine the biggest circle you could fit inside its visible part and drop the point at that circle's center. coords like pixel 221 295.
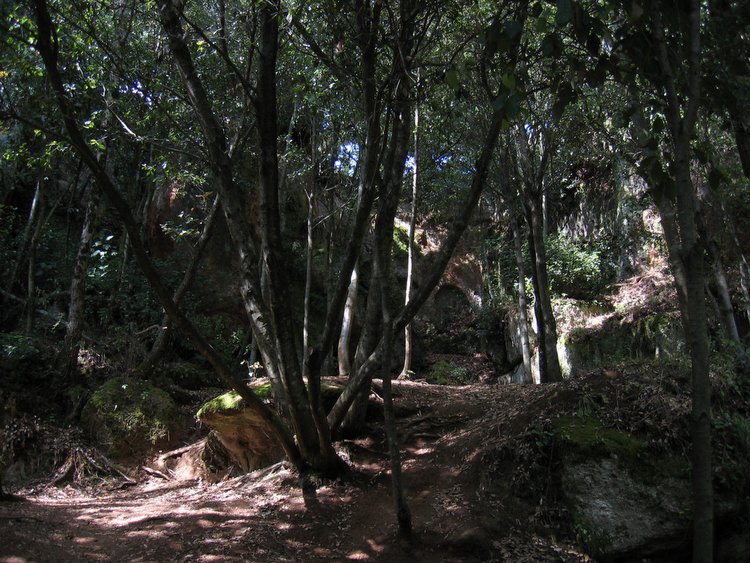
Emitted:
pixel 523 320
pixel 723 299
pixel 549 363
pixel 34 215
pixel 48 50
pixel 37 214
pixel 344 353
pixel 682 103
pixel 76 307
pixel 408 333
pixel 403 514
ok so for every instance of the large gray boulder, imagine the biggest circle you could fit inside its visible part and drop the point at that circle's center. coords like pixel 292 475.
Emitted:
pixel 621 517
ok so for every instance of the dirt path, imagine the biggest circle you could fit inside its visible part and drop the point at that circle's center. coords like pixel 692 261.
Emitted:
pixel 270 519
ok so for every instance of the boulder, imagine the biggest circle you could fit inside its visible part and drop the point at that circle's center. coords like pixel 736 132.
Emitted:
pixel 246 436
pixel 130 415
pixel 620 517
pixel 625 503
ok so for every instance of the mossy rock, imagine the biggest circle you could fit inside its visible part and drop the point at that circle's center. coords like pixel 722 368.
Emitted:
pixel 130 415
pixel 231 401
pixel 245 435
pixel 625 502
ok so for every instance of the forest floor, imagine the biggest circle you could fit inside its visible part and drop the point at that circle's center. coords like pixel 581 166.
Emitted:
pixel 267 517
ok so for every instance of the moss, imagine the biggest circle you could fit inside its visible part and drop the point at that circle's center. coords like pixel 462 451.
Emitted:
pixel 231 400
pixel 128 413
pixel 586 435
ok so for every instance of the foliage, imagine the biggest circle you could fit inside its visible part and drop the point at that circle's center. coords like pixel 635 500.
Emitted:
pixel 17 347
pixel 578 270
pixel 443 372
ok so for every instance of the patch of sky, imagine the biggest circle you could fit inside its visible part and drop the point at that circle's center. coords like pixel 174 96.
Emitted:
pixel 346 161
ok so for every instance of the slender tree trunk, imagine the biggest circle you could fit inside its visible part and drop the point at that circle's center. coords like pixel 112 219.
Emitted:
pixel 344 354
pixel 682 106
pixel 549 363
pixel 723 299
pixel 76 307
pixel 34 217
pixel 403 514
pixel 408 333
pixel 523 317
pixel 31 270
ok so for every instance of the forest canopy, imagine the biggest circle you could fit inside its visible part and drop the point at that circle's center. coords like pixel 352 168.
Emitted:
pixel 279 187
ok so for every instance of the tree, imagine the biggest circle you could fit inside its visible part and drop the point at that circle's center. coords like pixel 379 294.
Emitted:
pixel 672 67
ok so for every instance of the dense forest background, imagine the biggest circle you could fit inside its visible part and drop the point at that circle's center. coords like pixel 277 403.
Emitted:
pixel 295 190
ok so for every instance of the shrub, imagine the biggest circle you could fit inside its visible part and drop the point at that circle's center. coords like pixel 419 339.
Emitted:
pixel 443 372
pixel 578 270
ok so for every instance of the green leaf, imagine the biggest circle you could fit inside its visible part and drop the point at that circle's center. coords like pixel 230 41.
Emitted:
pixel 509 81
pixel 96 144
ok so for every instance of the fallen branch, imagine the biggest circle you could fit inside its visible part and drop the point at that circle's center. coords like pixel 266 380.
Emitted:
pixel 155 473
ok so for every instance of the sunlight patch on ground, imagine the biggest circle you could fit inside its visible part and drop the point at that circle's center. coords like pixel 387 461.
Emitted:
pixel 375 546
pixel 84 540
pixel 358 555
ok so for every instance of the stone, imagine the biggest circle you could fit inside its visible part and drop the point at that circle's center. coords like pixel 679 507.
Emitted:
pixel 619 516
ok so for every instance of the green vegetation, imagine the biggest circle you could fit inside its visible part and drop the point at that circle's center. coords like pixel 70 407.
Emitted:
pixel 580 270
pixel 587 437
pixel 17 347
pixel 231 401
pixel 129 414
pixel 444 372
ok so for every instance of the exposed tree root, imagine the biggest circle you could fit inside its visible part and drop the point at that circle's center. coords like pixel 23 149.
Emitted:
pixel 85 463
